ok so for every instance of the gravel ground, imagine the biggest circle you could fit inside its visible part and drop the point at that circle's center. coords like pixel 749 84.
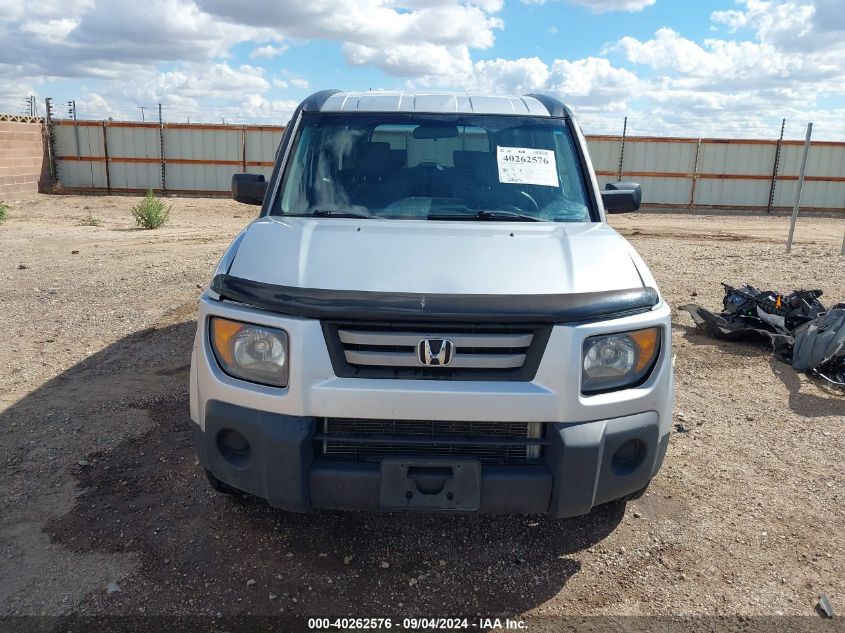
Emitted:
pixel 105 510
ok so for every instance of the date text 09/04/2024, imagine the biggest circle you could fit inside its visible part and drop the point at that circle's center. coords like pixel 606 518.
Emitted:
pixel 415 623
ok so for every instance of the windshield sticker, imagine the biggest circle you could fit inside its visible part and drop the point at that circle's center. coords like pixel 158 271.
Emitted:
pixel 527 166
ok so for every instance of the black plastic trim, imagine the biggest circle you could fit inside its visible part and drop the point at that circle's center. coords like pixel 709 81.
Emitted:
pixel 322 303
pixel 445 440
pixel 316 101
pixel 556 107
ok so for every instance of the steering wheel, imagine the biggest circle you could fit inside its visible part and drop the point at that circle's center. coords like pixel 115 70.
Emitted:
pixel 517 199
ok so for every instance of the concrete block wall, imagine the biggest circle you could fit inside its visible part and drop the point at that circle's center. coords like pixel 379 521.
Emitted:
pixel 24 167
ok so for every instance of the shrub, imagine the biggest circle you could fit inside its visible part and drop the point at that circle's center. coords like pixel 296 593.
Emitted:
pixel 90 220
pixel 151 212
pixel 4 212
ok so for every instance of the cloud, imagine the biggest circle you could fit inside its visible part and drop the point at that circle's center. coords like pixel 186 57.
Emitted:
pixel 122 40
pixel 412 60
pixel 267 52
pixel 405 39
pixel 516 76
pixel 784 57
pixel 605 6
pixel 111 38
pixel 738 65
pixel 366 22
pixel 765 59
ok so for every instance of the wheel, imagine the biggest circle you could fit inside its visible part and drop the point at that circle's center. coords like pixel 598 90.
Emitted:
pixel 222 487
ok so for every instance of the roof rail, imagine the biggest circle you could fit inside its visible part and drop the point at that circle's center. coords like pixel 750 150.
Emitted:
pixel 555 106
pixel 314 103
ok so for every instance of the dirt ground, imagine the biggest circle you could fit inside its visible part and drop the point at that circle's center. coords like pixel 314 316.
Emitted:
pixel 105 511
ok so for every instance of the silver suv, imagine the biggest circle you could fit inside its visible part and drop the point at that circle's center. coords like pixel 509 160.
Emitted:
pixel 431 313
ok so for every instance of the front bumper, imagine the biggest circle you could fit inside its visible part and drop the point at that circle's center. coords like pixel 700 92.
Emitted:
pixel 576 473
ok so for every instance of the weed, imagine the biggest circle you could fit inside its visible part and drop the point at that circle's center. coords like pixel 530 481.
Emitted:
pixel 90 220
pixel 151 213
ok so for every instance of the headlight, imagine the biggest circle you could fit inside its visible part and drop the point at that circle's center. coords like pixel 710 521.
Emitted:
pixel 250 352
pixel 616 361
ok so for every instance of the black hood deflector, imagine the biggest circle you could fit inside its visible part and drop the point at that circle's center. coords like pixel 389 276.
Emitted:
pixel 403 306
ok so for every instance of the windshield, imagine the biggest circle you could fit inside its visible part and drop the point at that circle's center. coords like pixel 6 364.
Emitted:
pixel 425 166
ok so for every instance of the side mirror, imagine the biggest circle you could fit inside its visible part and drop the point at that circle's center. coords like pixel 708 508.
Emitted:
pixel 248 188
pixel 621 197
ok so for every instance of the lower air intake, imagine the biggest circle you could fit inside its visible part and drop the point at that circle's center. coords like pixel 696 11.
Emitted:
pixel 352 439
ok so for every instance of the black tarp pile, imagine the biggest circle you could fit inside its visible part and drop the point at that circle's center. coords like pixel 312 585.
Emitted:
pixel 803 332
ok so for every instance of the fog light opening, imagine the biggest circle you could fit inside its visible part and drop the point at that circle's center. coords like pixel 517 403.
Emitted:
pixel 628 457
pixel 234 447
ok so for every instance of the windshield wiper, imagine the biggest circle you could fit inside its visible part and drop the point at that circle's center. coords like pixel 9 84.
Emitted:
pixel 339 213
pixel 487 215
pixel 336 213
pixel 506 215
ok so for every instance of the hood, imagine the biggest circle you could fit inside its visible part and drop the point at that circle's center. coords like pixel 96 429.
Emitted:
pixel 422 256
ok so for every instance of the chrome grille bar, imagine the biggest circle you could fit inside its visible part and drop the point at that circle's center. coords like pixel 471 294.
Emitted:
pixel 460 361
pixel 411 339
pixel 482 350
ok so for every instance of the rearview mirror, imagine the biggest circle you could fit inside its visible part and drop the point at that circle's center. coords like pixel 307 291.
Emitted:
pixel 435 131
pixel 621 197
pixel 248 188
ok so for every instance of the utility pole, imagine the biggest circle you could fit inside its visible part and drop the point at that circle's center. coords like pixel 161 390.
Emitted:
pixel 161 149
pixel 622 150
pixel 29 104
pixel 71 106
pixel 51 154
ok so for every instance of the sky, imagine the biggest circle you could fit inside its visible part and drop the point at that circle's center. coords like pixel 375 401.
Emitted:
pixel 724 68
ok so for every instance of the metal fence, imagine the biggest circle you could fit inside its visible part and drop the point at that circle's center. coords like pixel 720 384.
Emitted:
pixel 180 158
pixel 723 173
pixel 199 159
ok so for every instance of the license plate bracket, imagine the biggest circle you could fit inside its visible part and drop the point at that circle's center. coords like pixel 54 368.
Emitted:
pixel 434 484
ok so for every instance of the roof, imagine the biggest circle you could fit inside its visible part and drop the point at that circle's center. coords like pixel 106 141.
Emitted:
pixel 434 102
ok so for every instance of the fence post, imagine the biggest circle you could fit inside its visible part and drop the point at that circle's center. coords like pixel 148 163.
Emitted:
pixel 51 151
pixel 243 148
pixel 843 246
pixel 694 176
pixel 800 186
pixel 106 155
pixel 775 168
pixel 622 150
pixel 161 150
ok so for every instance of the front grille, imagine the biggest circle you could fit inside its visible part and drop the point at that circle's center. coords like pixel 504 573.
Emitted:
pixel 352 439
pixel 476 352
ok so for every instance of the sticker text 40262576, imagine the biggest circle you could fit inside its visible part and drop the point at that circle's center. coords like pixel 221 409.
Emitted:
pixel 527 166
